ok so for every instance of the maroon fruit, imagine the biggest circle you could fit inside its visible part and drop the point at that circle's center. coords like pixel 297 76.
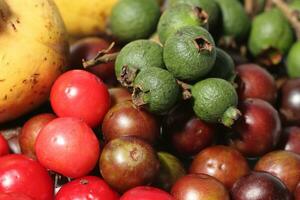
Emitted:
pixel 126 119
pixel 199 186
pixel 118 95
pixel 259 186
pixel 255 82
pixel 297 192
pixel 4 148
pixel 30 131
pixel 127 162
pixel 291 139
pixel 282 164
pixel 146 193
pixel 224 163
pixel 258 130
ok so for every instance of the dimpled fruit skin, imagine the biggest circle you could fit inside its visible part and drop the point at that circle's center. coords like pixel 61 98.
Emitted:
pixel 212 97
pixel 139 54
pixel 270 29
pixel 160 89
pixel 132 19
pixel 183 57
pixel 293 61
pixel 234 19
pixel 175 17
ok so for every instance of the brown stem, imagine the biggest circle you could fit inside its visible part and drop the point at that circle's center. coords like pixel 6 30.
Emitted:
pixel 186 90
pixel 268 5
pixel 249 7
pixel 101 57
pixel 292 15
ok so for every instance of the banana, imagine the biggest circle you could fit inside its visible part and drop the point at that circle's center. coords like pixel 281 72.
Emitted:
pixel 33 52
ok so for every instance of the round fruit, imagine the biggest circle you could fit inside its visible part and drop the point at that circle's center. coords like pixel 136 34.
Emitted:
pixel 293 61
pixel 14 196
pixel 131 20
pixel 215 101
pixel 199 186
pixel 30 132
pixel 118 95
pixel 83 89
pixel 224 163
pixel 20 174
pixel 137 55
pixel 156 89
pixel 88 187
pixel 4 148
pixel 290 140
pixel 178 16
pixel 189 53
pixel 125 119
pixel 146 193
pixel 68 146
pixel 128 162
pixel 264 184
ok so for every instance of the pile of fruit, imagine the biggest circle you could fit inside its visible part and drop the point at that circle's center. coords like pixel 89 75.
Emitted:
pixel 150 100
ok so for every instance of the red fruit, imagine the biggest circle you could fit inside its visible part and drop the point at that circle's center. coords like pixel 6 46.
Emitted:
pixel 199 186
pixel 291 139
pixel 224 163
pixel 68 146
pixel 88 48
pixel 80 94
pixel 20 174
pixel 89 187
pixel 297 192
pixel 14 196
pixel 282 164
pixel 146 193
pixel 258 130
pixel 255 82
pixel 118 95
pixel 4 148
pixel 125 119
pixel 30 131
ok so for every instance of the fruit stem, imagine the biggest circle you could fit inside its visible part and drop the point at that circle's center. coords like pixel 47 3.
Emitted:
pixel 292 15
pixel 230 116
pixel 102 56
pixel 186 90
pixel 251 7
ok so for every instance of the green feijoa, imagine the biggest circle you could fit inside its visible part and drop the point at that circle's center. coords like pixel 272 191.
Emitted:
pixel 209 6
pixel 131 19
pixel 190 53
pixel 178 16
pixel 293 61
pixel 139 54
pixel 215 101
pixel 223 67
pixel 235 22
pixel 156 89
pixel 271 36
pixel 295 5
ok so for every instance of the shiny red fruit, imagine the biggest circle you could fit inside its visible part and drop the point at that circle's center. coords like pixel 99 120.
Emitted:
pixel 68 146
pixel 118 95
pixel 4 148
pixel 224 163
pixel 30 131
pixel 89 187
pixel 80 94
pixel 20 174
pixel 14 196
pixel 291 139
pixel 258 130
pixel 146 193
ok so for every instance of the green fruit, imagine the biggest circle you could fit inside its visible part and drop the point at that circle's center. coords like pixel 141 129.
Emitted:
pixel 215 101
pixel 131 19
pixel 235 22
pixel 156 89
pixel 178 16
pixel 223 67
pixel 190 53
pixel 293 61
pixel 295 5
pixel 139 54
pixel 271 36
pixel 209 6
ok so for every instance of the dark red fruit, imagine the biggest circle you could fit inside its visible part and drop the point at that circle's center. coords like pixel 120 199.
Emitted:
pixel 80 94
pixel 87 49
pixel 126 119
pixel 258 130
pixel 282 164
pixel 297 192
pixel 118 95
pixel 224 163
pixel 89 187
pixel 4 148
pixel 255 82
pixel 199 186
pixel 20 174
pixel 14 196
pixel 291 139
pixel 259 186
pixel 68 146
pixel 128 162
pixel 30 131
pixel 146 193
